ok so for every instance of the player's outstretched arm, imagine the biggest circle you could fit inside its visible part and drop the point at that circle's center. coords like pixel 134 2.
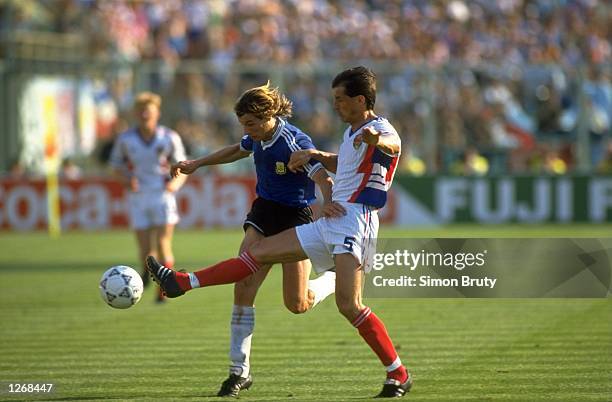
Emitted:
pixel 228 154
pixel 325 183
pixel 301 157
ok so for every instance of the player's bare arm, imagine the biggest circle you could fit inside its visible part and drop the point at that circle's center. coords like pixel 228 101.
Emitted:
pixel 228 154
pixel 301 157
pixel 176 183
pixel 387 144
pixel 325 183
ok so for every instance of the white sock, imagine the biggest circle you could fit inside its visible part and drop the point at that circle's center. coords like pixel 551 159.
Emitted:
pixel 395 365
pixel 193 281
pixel 243 323
pixel 322 286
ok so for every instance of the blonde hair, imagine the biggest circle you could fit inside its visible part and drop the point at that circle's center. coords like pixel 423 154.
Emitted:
pixel 263 102
pixel 145 98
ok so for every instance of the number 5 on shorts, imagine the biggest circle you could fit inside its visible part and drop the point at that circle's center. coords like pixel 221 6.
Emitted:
pixel 349 242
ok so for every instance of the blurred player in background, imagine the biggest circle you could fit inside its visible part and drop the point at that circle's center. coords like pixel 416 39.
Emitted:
pixel 141 158
pixel 345 237
pixel 283 202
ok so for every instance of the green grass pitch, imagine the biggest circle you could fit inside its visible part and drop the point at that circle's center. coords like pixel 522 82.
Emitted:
pixel 55 328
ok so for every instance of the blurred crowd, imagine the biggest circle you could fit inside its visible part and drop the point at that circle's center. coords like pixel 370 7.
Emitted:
pixel 474 87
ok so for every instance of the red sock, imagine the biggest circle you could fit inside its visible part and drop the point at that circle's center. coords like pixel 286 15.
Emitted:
pixel 400 374
pixel 183 281
pixel 373 331
pixel 228 271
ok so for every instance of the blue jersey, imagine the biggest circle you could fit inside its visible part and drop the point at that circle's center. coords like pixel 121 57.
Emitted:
pixel 275 182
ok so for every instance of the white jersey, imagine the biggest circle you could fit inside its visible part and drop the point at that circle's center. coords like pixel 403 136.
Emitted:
pixel 148 161
pixel 364 173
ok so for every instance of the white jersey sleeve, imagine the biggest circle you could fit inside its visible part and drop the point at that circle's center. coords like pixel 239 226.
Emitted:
pixel 177 153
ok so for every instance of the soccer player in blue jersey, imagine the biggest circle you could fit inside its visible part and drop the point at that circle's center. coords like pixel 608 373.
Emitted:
pixel 345 236
pixel 283 201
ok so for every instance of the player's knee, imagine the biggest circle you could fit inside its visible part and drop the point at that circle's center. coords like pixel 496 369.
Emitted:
pixel 256 250
pixel 297 306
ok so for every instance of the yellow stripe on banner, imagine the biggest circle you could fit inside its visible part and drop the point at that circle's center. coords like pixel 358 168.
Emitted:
pixel 53 205
pixel 52 164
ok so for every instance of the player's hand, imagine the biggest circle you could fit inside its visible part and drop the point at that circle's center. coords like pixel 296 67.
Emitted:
pixel 185 167
pixel 298 159
pixel 332 210
pixel 367 135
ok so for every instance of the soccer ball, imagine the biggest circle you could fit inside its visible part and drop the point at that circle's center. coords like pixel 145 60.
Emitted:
pixel 121 287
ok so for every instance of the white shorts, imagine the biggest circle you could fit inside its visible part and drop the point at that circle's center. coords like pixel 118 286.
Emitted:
pixel 353 233
pixel 148 209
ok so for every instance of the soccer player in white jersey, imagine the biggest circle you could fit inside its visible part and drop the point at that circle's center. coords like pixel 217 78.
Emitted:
pixel 364 169
pixel 141 158
pixel 283 201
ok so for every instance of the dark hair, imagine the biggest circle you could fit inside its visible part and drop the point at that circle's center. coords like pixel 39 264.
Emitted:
pixel 263 102
pixel 358 81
